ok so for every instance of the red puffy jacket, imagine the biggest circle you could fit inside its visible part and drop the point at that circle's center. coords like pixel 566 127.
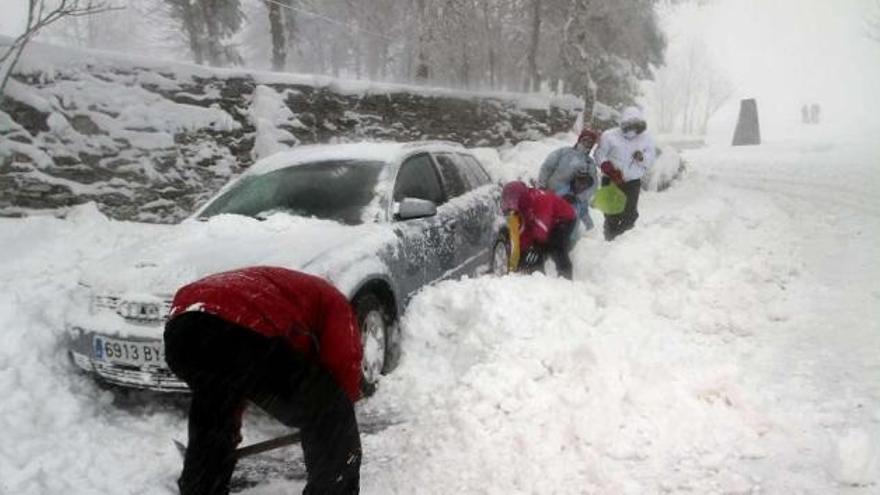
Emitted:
pixel 541 211
pixel 314 317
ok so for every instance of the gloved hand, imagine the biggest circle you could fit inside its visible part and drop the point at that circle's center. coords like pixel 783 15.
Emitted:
pixel 615 175
pixel 531 257
pixel 638 156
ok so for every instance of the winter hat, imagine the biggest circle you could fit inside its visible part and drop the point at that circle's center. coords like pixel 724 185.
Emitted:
pixel 511 194
pixel 588 134
pixel 631 115
pixel 632 120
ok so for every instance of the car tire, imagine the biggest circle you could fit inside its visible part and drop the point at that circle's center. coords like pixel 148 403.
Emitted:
pixel 375 326
pixel 498 264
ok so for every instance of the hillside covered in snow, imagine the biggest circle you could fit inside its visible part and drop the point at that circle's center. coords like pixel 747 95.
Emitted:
pixel 148 140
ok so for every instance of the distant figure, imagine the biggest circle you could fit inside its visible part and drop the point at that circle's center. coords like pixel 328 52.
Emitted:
pixel 805 114
pixel 814 113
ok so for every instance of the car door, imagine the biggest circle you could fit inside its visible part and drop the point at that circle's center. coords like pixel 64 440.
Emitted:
pixel 426 252
pixel 486 207
pixel 467 216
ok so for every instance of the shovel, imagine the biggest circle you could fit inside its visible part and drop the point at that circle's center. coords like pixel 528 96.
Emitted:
pixel 254 448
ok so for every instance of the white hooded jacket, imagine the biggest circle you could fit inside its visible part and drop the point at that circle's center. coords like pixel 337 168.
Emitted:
pixel 615 147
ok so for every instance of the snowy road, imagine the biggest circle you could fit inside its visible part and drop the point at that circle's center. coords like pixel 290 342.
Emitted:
pixel 729 344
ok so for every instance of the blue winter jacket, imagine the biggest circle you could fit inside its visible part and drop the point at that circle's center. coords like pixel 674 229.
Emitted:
pixel 581 208
pixel 559 167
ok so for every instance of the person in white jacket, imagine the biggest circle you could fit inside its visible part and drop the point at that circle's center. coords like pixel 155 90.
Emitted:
pixel 625 153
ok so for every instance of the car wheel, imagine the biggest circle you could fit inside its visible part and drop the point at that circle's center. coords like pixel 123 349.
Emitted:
pixel 500 256
pixel 374 324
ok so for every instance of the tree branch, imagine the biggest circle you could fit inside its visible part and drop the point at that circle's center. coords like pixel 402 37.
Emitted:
pixel 37 21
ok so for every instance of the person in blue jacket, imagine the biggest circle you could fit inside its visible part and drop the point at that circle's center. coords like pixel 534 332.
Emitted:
pixel 559 167
pixel 571 171
pixel 579 192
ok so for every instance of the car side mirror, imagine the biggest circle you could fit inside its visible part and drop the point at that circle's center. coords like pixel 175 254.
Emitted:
pixel 415 208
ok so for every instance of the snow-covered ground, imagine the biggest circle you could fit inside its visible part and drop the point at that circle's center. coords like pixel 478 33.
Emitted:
pixel 730 344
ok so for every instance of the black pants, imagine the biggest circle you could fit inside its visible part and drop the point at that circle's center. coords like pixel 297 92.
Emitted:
pixel 557 248
pixel 225 365
pixel 620 223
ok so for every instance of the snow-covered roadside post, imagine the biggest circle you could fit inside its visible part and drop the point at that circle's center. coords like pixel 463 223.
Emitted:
pixel 747 132
pixel 39 16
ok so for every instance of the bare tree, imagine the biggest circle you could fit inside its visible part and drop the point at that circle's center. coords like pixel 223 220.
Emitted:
pixel 691 87
pixel 131 26
pixel 718 92
pixel 39 16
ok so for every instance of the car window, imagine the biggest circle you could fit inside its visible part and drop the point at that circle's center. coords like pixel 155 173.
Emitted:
pixel 450 170
pixel 337 190
pixel 418 179
pixel 474 171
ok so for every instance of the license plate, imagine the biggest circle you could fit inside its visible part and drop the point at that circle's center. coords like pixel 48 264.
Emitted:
pixel 129 352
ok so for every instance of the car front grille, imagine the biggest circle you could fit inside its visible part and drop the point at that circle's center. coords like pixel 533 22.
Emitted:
pixel 106 302
pixel 134 311
pixel 159 379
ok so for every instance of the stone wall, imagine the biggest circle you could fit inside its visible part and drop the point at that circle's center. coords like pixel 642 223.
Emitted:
pixel 149 144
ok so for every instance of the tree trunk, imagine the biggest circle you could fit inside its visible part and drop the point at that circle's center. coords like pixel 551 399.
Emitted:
pixel 465 73
pixel 212 41
pixel 279 44
pixel 358 59
pixel 192 26
pixel 423 69
pixel 589 96
pixel 335 57
pixel 534 82
pixel 290 25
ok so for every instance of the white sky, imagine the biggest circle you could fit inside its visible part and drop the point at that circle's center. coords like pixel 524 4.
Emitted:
pixel 13 18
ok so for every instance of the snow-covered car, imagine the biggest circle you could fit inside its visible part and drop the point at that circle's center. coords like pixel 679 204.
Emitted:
pixel 378 220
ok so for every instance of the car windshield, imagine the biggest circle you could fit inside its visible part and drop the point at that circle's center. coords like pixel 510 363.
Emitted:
pixel 337 190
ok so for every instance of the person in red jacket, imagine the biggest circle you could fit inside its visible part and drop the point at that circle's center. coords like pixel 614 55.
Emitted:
pixel 545 226
pixel 284 340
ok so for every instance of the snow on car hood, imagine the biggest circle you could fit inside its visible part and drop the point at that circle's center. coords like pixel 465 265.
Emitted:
pixel 195 249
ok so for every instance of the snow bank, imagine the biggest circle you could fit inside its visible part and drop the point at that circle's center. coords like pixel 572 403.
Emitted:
pixel 687 357
pixel 269 113
pixel 728 344
pixel 63 434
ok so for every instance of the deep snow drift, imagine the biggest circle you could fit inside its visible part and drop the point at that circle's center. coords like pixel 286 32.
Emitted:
pixel 729 344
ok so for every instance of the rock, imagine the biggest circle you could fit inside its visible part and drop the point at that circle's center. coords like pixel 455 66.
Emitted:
pixel 104 152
